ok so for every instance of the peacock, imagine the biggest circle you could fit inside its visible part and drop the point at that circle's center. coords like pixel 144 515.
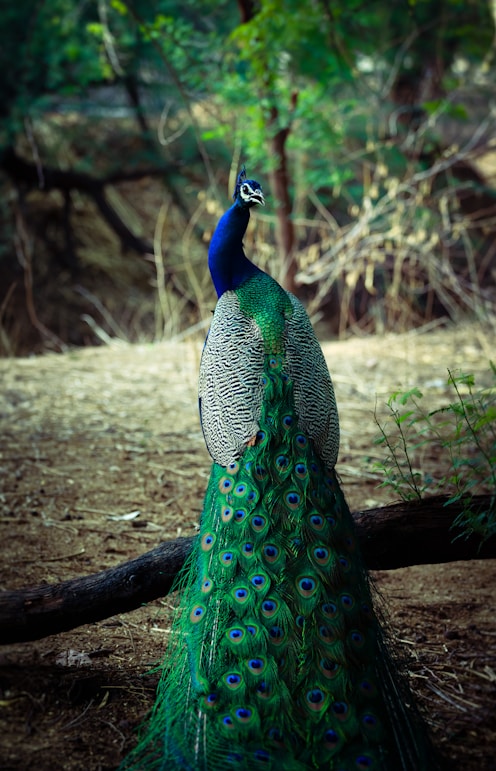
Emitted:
pixel 277 661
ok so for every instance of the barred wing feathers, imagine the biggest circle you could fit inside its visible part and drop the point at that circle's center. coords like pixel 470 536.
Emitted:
pixel 231 390
pixel 230 387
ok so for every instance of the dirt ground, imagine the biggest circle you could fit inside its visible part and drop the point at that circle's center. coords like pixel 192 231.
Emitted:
pixel 102 457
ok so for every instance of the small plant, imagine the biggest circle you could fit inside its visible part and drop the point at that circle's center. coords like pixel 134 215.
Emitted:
pixel 458 440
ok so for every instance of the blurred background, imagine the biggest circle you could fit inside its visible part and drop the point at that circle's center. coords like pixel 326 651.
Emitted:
pixel 371 126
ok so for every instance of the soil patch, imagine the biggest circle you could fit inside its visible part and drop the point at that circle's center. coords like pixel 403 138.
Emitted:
pixel 102 457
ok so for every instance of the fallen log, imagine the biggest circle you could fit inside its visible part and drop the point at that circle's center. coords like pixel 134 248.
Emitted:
pixel 403 534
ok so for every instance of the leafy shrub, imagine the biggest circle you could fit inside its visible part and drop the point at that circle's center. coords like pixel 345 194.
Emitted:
pixel 460 437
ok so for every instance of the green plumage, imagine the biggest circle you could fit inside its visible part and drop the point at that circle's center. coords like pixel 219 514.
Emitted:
pixel 276 659
pixel 264 301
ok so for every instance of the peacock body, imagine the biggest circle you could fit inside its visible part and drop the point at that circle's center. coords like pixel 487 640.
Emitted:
pixel 277 659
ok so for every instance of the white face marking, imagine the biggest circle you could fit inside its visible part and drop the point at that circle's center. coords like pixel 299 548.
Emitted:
pixel 246 191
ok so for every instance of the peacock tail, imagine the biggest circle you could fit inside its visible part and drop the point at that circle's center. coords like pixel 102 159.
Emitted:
pixel 277 660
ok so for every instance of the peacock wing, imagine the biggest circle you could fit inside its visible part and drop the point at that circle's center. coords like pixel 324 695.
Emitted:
pixel 314 398
pixel 230 383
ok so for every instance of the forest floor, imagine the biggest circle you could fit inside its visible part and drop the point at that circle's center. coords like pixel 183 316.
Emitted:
pixel 102 458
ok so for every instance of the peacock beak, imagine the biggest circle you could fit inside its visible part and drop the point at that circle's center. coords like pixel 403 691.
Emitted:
pixel 257 197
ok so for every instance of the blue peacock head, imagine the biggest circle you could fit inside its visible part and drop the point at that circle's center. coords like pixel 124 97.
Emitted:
pixel 248 192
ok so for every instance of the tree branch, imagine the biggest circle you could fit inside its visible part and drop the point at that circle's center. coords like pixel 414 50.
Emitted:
pixel 28 174
pixel 400 535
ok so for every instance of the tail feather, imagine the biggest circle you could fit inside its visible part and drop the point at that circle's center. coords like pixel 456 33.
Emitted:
pixel 277 660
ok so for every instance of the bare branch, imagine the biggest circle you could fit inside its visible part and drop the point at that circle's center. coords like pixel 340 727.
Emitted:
pixel 417 532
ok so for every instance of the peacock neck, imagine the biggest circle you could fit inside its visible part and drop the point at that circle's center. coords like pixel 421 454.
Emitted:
pixel 228 264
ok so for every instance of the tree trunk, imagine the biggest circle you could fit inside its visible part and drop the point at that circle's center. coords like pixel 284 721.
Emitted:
pixel 280 188
pixel 400 535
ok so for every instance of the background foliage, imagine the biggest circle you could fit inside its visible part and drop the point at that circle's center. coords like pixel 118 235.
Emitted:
pixel 462 434
pixel 122 124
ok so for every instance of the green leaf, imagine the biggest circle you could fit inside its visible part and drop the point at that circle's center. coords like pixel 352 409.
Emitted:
pixel 489 416
pixel 461 379
pixel 119 6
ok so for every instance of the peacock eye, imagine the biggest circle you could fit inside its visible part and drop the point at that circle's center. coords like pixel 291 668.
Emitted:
pixel 245 189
